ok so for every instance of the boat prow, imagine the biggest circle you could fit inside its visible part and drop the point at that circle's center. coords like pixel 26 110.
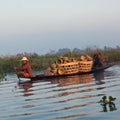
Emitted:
pixel 22 79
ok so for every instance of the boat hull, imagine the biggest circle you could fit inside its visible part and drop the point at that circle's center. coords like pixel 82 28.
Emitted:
pixel 94 70
pixel 43 77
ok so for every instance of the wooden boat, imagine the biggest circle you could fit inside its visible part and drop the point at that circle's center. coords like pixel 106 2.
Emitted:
pixel 44 77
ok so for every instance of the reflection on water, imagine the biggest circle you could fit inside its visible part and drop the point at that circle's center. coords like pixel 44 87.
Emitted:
pixel 26 87
pixel 74 83
pixel 109 107
pixel 99 77
pixel 72 80
pixel 74 97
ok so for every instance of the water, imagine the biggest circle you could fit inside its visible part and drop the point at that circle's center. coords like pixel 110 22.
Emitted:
pixel 70 98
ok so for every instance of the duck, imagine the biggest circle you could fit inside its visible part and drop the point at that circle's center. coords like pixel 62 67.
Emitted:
pixel 111 99
pixel 105 101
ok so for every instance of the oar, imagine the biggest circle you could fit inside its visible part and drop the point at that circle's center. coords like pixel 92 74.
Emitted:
pixel 16 73
pixel 13 66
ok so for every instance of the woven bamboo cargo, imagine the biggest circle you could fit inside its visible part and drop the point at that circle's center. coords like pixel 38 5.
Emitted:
pixel 70 68
pixel 64 65
pixel 85 66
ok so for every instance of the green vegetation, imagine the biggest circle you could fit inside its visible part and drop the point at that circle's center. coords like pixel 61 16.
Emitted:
pixel 42 62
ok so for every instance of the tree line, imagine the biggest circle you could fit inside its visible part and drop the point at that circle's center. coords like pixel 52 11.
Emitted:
pixel 41 62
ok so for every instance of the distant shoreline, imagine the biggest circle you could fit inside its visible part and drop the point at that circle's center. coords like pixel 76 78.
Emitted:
pixel 41 62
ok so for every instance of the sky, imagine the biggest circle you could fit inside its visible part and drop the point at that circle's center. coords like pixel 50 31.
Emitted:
pixel 38 26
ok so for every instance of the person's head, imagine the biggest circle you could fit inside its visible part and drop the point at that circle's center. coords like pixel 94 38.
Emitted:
pixel 24 60
pixel 99 55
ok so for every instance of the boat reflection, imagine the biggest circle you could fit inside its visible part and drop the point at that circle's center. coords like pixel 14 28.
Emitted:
pixel 26 87
pixel 71 85
pixel 99 77
pixel 72 80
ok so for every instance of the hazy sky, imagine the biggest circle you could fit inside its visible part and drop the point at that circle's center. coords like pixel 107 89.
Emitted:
pixel 43 25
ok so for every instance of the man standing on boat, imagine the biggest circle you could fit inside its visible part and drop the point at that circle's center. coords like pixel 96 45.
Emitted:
pixel 98 61
pixel 25 70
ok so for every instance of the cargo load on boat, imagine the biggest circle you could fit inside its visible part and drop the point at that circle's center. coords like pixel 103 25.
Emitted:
pixel 65 65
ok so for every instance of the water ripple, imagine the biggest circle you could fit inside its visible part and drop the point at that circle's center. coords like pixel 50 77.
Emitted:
pixel 72 97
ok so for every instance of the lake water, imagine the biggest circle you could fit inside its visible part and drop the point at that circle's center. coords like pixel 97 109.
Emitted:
pixel 71 98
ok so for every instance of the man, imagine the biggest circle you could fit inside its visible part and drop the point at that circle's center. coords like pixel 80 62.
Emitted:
pixel 25 70
pixel 97 58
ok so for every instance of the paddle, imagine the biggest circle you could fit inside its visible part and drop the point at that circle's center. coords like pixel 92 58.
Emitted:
pixel 14 68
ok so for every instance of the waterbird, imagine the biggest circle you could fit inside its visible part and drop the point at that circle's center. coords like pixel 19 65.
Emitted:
pixel 111 99
pixel 105 101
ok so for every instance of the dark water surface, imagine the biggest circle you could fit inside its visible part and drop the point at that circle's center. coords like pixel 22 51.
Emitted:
pixel 71 98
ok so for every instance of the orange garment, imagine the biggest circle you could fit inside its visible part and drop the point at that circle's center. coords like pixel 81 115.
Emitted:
pixel 26 70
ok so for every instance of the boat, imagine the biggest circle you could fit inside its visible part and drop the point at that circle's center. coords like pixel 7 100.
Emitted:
pixel 44 77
